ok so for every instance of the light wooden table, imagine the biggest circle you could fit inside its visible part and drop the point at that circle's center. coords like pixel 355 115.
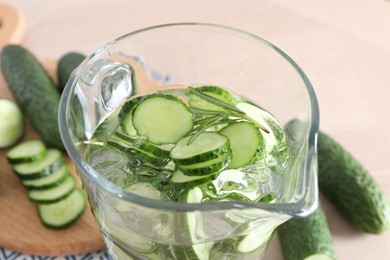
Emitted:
pixel 343 46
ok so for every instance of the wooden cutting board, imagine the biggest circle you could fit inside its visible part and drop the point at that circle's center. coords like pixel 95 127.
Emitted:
pixel 20 227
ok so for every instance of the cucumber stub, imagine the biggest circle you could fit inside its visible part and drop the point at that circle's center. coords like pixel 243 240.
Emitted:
pixel 11 123
pixel 307 238
pixel 350 187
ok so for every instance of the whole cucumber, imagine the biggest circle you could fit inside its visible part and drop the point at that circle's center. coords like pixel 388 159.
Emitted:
pixel 66 65
pixel 33 90
pixel 307 238
pixel 350 187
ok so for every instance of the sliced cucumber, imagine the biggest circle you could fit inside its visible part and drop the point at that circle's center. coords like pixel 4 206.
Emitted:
pixel 207 146
pixel 195 222
pixel 143 145
pixel 32 170
pixel 129 239
pixel 127 149
pixel 163 119
pixel 208 167
pixel 64 212
pixel 144 189
pixel 48 181
pixel 125 115
pixel 214 92
pixel 27 151
pixel 251 242
pixel 54 194
pixel 185 182
pixel 11 123
pixel 245 142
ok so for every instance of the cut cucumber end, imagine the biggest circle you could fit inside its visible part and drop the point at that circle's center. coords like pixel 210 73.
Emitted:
pixel 11 123
pixel 319 257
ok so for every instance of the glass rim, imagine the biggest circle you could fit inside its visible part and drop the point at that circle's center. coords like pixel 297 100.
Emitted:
pixel 293 209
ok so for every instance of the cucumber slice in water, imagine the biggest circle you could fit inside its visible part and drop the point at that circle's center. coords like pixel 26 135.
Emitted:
pixel 11 123
pixel 194 222
pixel 64 212
pixel 207 146
pixel 128 239
pixel 53 194
pixel 245 142
pixel 144 189
pixel 125 115
pixel 215 92
pixel 32 170
pixel 143 145
pixel 183 181
pixel 142 155
pixel 27 151
pixel 163 119
pixel 206 168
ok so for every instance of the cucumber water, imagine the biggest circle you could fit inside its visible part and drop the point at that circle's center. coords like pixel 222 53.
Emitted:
pixel 193 145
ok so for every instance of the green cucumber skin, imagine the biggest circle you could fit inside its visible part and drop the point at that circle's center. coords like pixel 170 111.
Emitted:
pixel 207 170
pixel 49 201
pixel 48 170
pixel 302 237
pixel 34 91
pixel 229 97
pixel 66 65
pixel 47 186
pixel 349 186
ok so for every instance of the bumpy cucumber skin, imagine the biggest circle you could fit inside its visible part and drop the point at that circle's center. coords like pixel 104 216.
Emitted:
pixel 302 237
pixel 348 186
pixel 34 91
pixel 66 65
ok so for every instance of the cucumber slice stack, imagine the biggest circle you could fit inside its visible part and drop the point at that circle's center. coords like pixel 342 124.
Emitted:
pixel 50 185
pixel 208 153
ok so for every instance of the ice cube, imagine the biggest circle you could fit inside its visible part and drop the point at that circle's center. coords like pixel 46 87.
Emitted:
pixel 101 88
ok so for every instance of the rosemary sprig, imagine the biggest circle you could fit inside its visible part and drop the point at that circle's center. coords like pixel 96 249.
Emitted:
pixel 205 112
pixel 202 127
pixel 230 110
